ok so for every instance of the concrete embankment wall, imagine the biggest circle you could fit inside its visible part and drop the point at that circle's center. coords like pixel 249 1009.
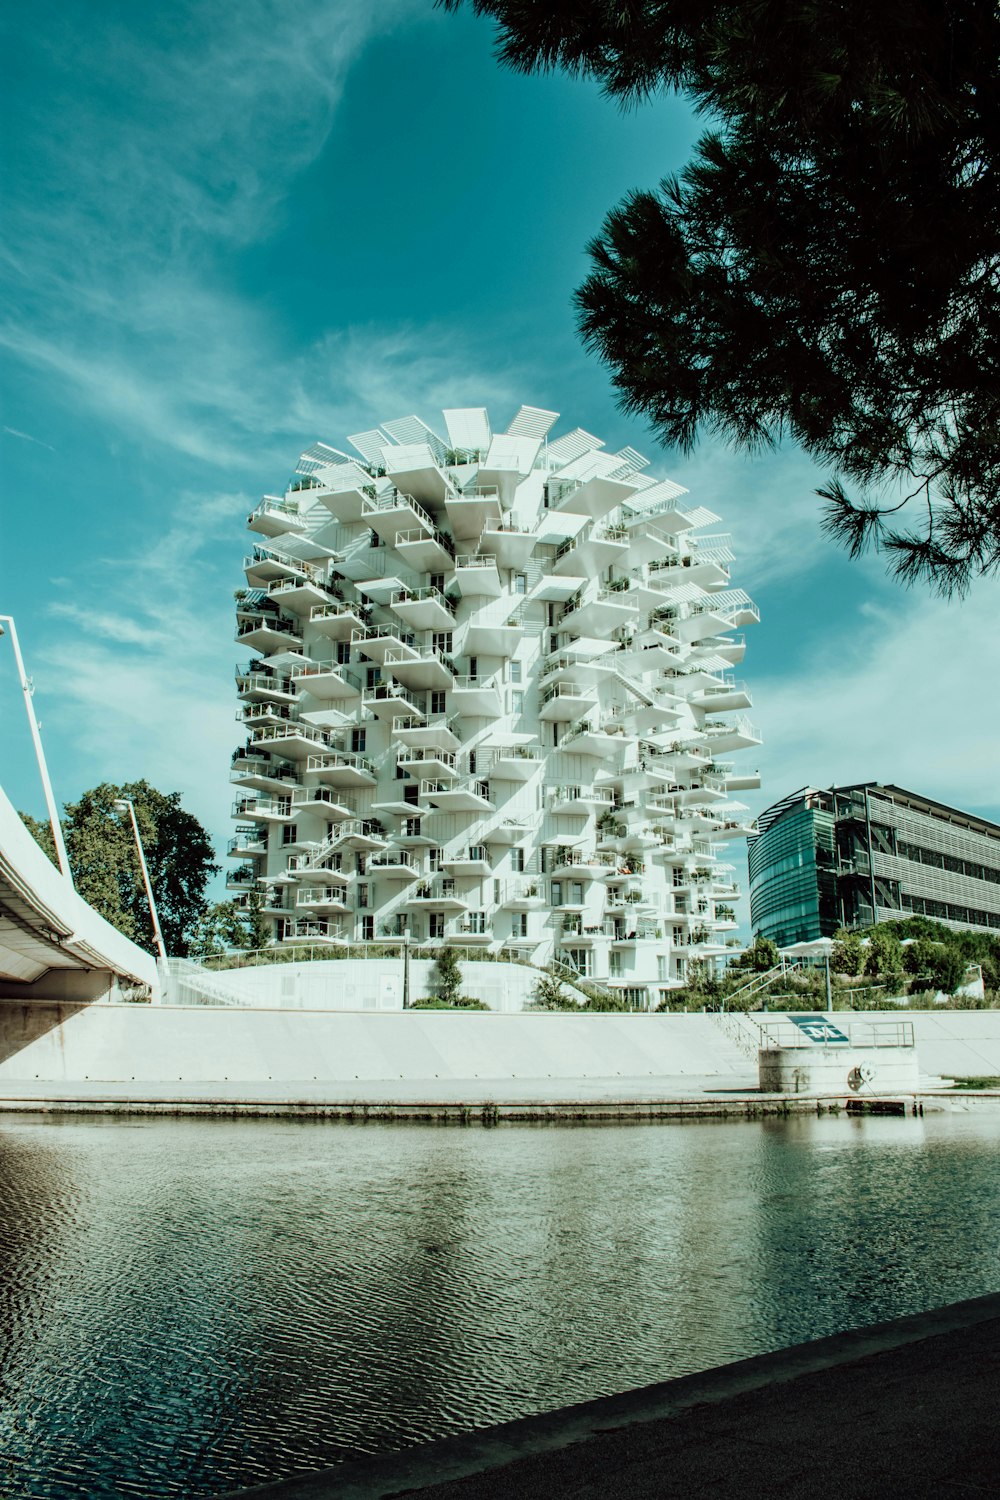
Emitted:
pixel 63 1043
pixel 349 984
pixel 117 1043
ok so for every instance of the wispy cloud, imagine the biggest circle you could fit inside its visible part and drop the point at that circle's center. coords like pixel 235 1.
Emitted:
pixel 27 438
pixel 897 700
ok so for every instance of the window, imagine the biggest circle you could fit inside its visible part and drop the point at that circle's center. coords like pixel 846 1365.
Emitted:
pixel 550 617
pixel 519 924
pixel 520 583
pixel 515 671
pixel 444 641
pixel 358 741
pixel 678 877
pixel 435 924
pixel 473 667
pixel 361 864
pixel 343 653
pixel 363 896
pixel 477 921
pixel 437 582
pixel 556 893
pixel 576 892
pixel 434 859
pixel 438 701
pixel 411 826
pixel 374 540
pixel 367 929
pixel 517 861
pixel 411 793
pixel 517 702
pixel 662 967
pixel 372 676
pixel 678 937
pixel 472 762
pixel 289 835
pixel 664 995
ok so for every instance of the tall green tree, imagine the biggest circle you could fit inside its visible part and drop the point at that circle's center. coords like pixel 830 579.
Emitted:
pixel 827 267
pixel 105 865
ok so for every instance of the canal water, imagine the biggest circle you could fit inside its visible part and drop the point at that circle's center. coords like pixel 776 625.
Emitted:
pixel 193 1305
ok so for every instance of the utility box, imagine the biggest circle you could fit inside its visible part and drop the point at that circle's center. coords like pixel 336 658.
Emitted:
pixel 816 1054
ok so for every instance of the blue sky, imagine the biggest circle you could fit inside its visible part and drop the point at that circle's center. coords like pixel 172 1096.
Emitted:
pixel 231 231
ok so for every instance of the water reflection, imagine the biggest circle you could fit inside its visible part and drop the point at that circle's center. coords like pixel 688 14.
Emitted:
pixel 189 1306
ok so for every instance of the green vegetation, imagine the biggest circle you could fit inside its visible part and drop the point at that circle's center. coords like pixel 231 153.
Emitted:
pixel 870 969
pixel 825 266
pixel 984 1082
pixel 103 858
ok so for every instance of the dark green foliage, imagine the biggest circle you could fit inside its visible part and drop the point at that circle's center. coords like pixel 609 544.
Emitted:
pixel 220 928
pixel 447 977
pixel 759 957
pixel 461 1002
pixel 827 267
pixel 105 865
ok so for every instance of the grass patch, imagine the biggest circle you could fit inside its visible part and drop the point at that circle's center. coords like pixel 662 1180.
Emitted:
pixel 977 1083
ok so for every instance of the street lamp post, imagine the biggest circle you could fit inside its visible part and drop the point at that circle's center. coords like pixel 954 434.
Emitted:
pixel 121 803
pixel 50 801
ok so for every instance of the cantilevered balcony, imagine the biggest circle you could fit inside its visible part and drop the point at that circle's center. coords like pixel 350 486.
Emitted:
pixel 262 773
pixel 740 735
pixel 414 467
pixel 516 762
pixel 584 738
pixel 394 512
pixel 566 700
pixel 423 609
pixel 299 596
pixel 500 639
pixel 420 667
pixel 270 565
pixel 581 800
pixel 269 715
pixel 473 862
pixel 469 511
pixel 324 900
pixel 317 865
pixel 324 801
pixel 722 696
pixel 592 551
pixel 363 835
pixel 509 831
pixel 426 734
pixel 471 795
pixel 437 893
pixel 602 613
pixel 477 575
pixel 476 698
pixel 581 864
pixel 387 700
pixel 511 545
pixel 276 517
pixel 393 864
pixel 315 933
pixel 423 552
pixel 523 895
pixel 243 878
pixel 375 640
pixel 248 843
pixel 268 633
pixel 436 764
pixel 327 681
pixel 589 493
pixel 344 489
pixel 264 809
pixel 341 768
pixel 338 622
pixel 263 687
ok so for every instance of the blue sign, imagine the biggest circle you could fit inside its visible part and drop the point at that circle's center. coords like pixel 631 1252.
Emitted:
pixel 818 1029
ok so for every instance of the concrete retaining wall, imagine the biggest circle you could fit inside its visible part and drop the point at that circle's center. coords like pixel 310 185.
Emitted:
pixel 63 1043
pixel 349 984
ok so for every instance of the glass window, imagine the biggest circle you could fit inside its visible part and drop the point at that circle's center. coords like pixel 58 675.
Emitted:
pixel 517 860
pixel 367 929
pixel 437 581
pixel 343 653
pixel 358 741
pixel 515 671
pixel 444 641
pixel 517 702
pixel 435 924
pixel 520 583
pixel 438 701
pixel 363 896
pixel 289 834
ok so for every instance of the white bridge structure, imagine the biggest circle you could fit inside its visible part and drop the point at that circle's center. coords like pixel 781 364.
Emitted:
pixel 53 945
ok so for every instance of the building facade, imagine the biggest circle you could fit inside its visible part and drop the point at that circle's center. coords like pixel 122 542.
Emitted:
pixel 853 855
pixel 491 702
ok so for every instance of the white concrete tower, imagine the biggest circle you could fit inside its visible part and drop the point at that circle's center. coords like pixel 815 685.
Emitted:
pixel 492 690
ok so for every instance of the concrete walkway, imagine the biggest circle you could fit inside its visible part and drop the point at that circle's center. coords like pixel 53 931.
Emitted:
pixel 907 1408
